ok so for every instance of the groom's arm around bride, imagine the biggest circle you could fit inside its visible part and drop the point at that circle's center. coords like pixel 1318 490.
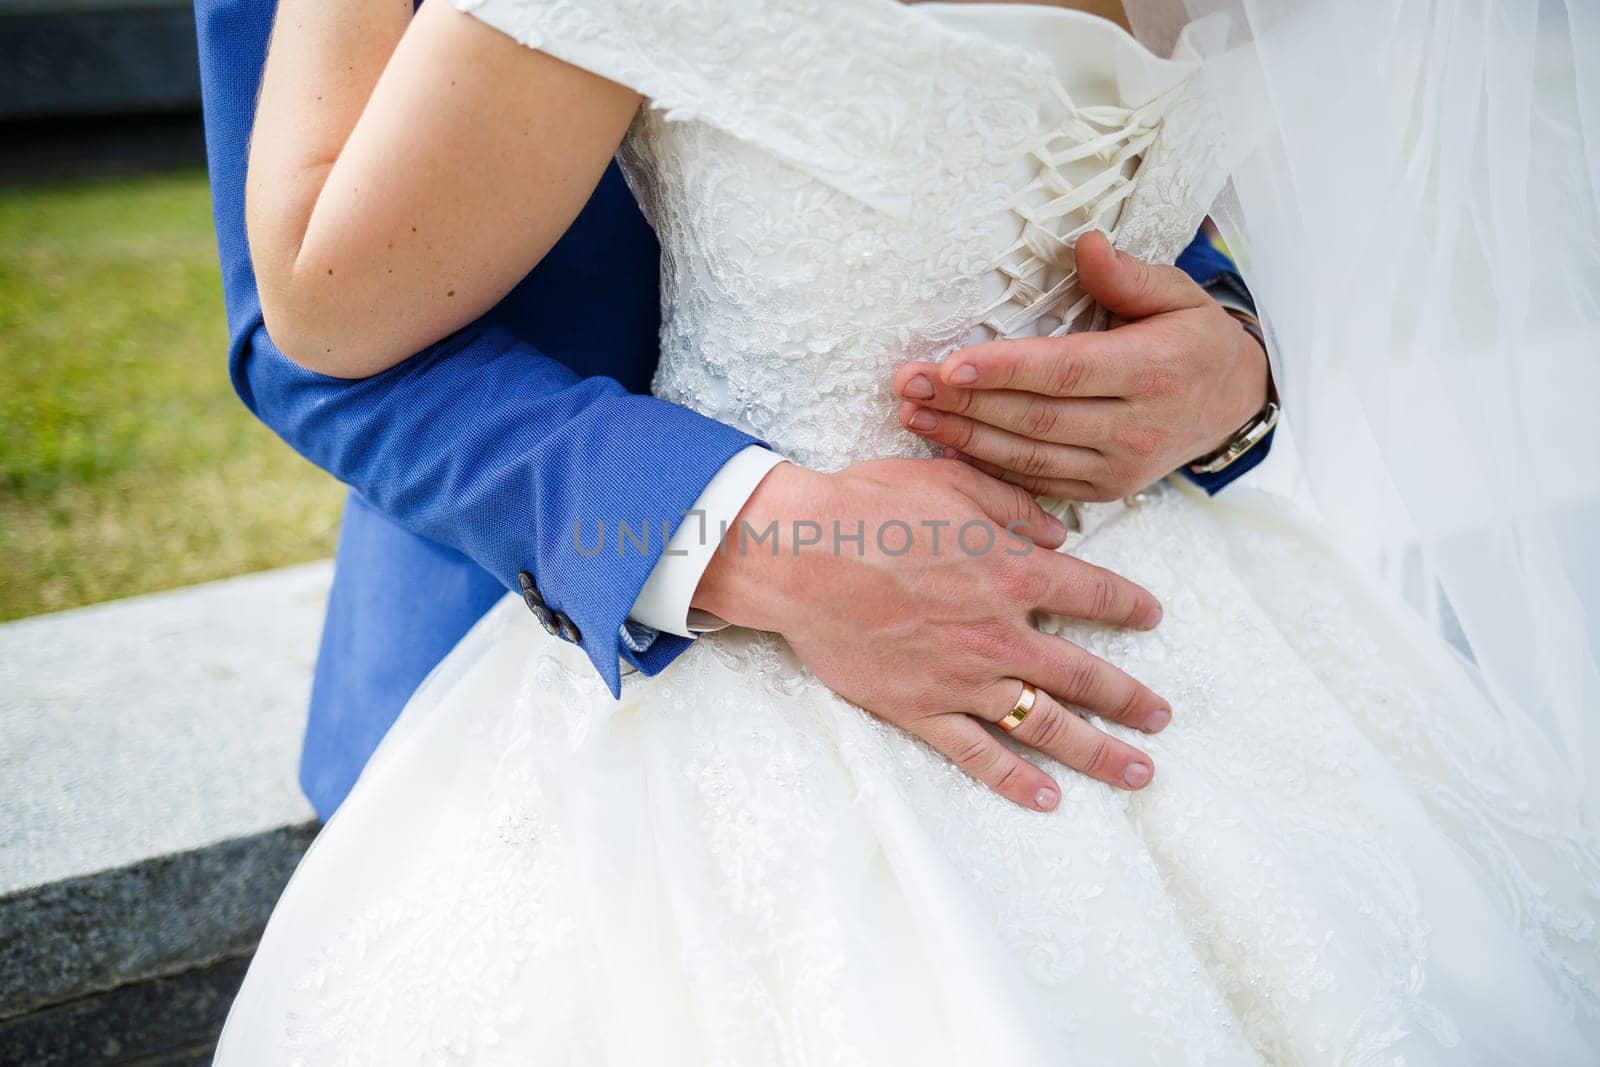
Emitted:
pixel 473 461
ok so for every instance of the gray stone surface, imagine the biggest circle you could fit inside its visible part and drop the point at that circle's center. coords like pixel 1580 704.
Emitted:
pixel 162 1023
pixel 155 725
pixel 149 812
pixel 71 940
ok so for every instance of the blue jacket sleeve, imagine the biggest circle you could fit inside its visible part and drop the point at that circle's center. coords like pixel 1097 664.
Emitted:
pixel 480 442
pixel 1213 270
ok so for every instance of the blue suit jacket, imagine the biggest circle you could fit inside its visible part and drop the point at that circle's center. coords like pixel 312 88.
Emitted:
pixel 471 461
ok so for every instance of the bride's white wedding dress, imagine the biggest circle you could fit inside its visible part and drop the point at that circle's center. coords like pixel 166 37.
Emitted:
pixel 1347 856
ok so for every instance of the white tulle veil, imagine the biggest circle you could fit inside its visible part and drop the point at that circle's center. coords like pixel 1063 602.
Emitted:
pixel 1414 199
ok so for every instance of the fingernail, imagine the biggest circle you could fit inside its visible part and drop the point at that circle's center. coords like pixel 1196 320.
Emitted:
pixel 1152 618
pixel 918 388
pixel 1157 721
pixel 965 374
pixel 1136 775
pixel 1046 799
pixel 923 421
pixel 1054 526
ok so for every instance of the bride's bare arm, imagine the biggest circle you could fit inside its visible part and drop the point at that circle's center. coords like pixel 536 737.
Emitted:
pixel 406 172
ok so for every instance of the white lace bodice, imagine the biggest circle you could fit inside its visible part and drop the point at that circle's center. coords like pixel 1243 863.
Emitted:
pixel 842 185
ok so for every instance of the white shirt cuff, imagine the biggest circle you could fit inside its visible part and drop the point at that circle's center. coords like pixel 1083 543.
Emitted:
pixel 663 603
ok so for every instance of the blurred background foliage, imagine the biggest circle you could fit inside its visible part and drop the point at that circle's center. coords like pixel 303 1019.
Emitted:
pixel 127 464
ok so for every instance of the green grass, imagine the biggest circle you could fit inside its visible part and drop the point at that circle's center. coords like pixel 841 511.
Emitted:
pixel 127 464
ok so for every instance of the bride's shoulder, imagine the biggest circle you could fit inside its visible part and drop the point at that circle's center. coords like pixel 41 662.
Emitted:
pixel 811 82
pixel 683 55
pixel 696 30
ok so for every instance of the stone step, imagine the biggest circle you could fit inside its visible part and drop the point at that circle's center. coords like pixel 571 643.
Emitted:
pixel 148 755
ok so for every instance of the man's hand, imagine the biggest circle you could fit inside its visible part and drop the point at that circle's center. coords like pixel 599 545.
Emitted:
pixel 926 622
pixel 1096 416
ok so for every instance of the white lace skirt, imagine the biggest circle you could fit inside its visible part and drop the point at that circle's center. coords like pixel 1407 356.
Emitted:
pixel 1346 856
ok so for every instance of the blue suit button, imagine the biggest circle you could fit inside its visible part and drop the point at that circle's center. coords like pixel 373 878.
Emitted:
pixel 555 624
pixel 535 601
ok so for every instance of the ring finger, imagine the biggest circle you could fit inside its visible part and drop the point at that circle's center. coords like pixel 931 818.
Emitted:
pixel 1065 736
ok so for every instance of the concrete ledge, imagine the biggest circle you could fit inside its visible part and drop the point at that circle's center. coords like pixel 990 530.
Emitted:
pixel 164 1023
pixel 155 725
pixel 149 811
pixel 87 935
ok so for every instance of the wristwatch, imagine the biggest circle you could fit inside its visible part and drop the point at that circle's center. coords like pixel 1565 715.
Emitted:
pixel 1253 432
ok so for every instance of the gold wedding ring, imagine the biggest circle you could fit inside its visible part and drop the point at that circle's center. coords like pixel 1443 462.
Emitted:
pixel 1024 705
